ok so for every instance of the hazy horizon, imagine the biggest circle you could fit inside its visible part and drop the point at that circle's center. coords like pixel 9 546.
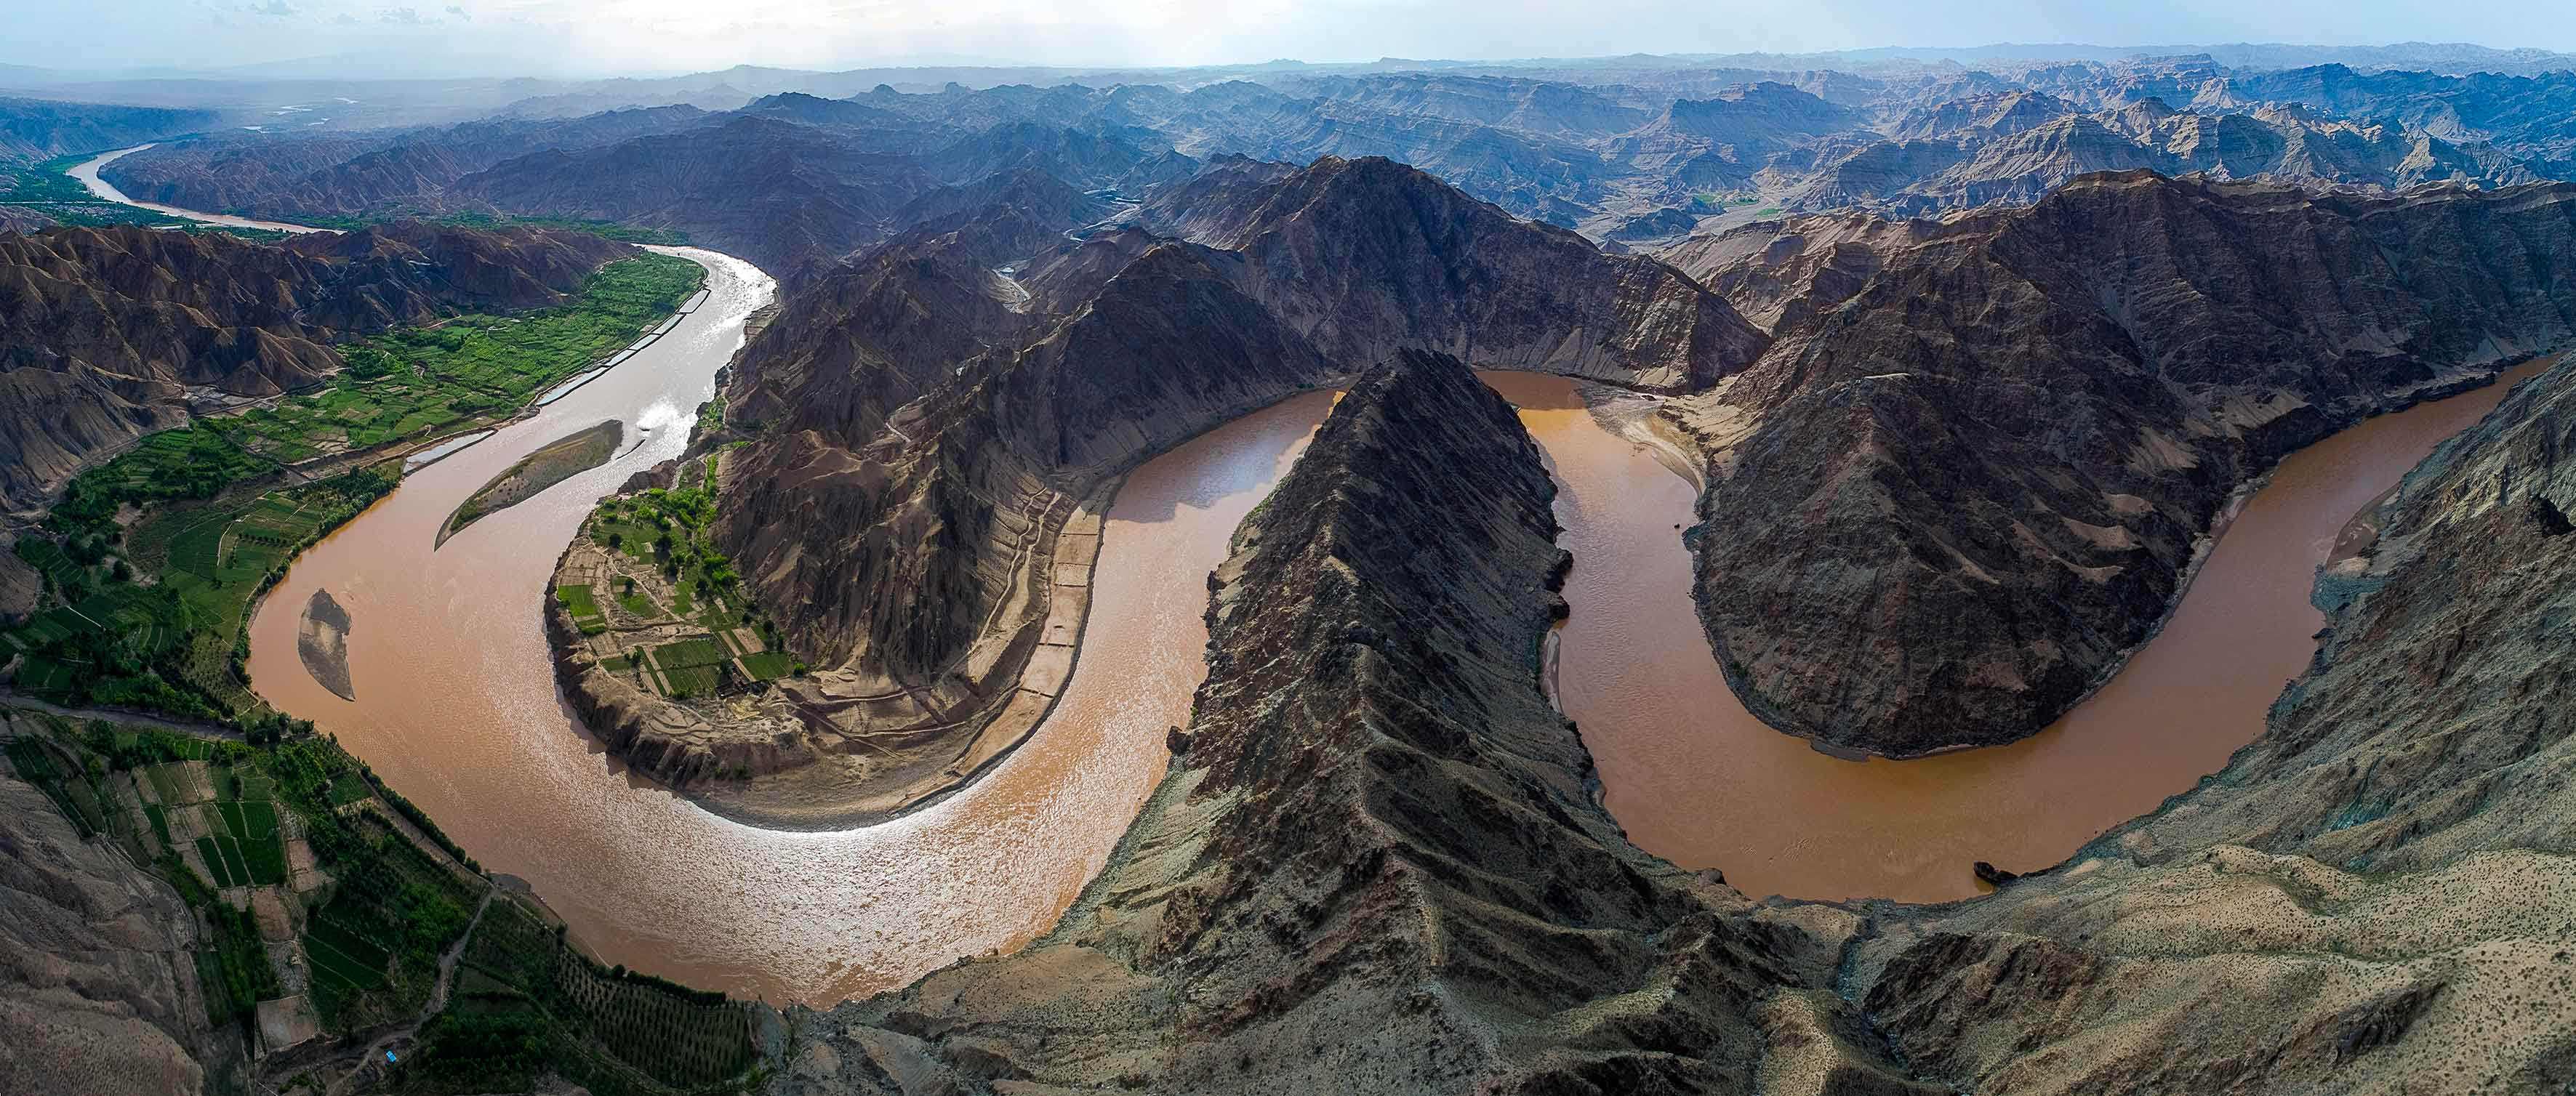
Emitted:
pixel 590 39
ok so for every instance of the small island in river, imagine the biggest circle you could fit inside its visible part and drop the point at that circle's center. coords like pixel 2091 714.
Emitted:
pixel 322 643
pixel 560 460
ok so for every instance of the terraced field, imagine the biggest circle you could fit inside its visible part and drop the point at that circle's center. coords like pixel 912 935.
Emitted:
pixel 173 646
pixel 399 386
pixel 215 538
pixel 374 913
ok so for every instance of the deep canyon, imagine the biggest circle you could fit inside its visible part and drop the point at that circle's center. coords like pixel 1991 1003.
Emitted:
pixel 2109 636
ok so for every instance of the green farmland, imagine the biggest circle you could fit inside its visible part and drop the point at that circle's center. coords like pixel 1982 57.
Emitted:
pixel 48 190
pixel 175 645
pixel 374 914
pixel 151 614
pixel 399 386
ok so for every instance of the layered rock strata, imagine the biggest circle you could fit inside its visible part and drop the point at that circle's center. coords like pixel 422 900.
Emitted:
pixel 2376 895
pixel 1980 459
pixel 1376 866
pixel 98 977
pixel 922 427
pixel 110 334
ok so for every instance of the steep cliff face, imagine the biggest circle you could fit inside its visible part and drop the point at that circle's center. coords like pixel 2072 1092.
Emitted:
pixel 106 332
pixel 921 420
pixel 1375 865
pixel 1945 504
pixel 2376 895
pixel 1781 273
pixel 98 982
pixel 1368 257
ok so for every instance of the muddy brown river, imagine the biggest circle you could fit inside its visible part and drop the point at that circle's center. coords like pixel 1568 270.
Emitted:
pixel 1696 779
pixel 456 705
pixel 87 172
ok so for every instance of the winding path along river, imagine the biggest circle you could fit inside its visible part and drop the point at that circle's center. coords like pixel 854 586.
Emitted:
pixel 456 703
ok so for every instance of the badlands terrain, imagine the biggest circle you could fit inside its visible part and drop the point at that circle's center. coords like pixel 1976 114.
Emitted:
pixel 681 594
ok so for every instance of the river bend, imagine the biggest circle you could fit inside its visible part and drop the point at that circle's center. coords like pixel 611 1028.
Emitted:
pixel 456 703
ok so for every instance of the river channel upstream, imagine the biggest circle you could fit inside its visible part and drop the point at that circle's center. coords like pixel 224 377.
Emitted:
pixel 456 704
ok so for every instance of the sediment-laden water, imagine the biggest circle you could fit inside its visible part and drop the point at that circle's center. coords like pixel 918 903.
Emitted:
pixel 1695 778
pixel 456 706
pixel 87 172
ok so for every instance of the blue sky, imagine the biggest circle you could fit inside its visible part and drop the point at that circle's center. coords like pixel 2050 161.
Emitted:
pixel 592 37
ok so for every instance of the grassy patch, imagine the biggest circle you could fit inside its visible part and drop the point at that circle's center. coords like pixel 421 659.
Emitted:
pixel 768 665
pixel 371 948
pixel 633 234
pixel 577 600
pixel 639 605
pixel 46 188
pixel 586 615
pixel 177 645
pixel 693 667
pixel 266 859
pixel 698 651
pixel 235 867
pixel 259 820
pixel 214 858
pixel 693 681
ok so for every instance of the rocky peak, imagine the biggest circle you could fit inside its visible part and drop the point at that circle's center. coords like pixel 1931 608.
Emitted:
pixel 1377 867
pixel 2141 309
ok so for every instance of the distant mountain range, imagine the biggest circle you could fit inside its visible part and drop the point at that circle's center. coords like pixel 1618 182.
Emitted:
pixel 1626 150
pixel 418 64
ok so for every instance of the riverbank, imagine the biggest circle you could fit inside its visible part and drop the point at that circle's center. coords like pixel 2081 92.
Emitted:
pixel 1693 776
pixel 556 462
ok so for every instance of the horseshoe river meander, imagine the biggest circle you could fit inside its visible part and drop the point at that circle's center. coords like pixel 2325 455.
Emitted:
pixel 456 703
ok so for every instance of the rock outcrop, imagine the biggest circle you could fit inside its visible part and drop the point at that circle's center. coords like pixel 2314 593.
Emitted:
pixel 916 416
pixel 1977 464
pixel 1378 866
pixel 98 979
pixel 2376 895
pixel 1375 865
pixel 108 334
pixel 922 426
